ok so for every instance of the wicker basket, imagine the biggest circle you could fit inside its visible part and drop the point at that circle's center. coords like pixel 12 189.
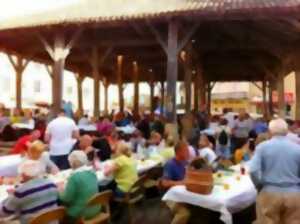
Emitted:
pixel 199 181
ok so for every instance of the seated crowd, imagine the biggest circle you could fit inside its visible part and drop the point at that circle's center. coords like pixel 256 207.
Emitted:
pixel 218 140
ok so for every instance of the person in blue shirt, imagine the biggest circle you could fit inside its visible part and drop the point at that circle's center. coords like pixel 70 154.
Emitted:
pixel 174 173
pixel 261 126
pixel 275 170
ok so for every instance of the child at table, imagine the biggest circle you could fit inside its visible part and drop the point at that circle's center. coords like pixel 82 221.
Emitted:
pixel 123 168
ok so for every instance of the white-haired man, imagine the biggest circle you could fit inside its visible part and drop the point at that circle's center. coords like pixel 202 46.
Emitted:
pixel 275 169
pixel 34 195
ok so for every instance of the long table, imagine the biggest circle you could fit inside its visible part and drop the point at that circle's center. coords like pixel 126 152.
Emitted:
pixel 240 195
pixel 142 166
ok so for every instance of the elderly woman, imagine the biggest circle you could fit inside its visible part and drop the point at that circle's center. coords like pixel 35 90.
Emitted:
pixel 123 168
pixel 81 186
pixel 33 195
pixel 36 151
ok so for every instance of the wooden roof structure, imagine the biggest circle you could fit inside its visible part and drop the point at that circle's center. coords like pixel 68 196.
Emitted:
pixel 237 39
pixel 229 39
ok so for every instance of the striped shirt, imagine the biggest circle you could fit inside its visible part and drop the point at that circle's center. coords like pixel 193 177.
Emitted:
pixel 31 198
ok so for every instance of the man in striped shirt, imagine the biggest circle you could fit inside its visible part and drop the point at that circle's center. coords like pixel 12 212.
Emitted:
pixel 34 195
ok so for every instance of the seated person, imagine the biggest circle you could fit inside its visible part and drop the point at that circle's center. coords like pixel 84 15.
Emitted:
pixel 17 116
pixel 174 173
pixel 23 143
pixel 85 144
pixel 103 148
pixel 37 151
pixel 168 152
pixel 123 168
pixel 4 121
pixel 82 185
pixel 205 150
pixel 243 153
pixel 84 120
pixel 35 193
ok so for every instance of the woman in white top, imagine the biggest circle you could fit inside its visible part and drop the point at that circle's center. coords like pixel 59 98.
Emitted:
pixel 205 150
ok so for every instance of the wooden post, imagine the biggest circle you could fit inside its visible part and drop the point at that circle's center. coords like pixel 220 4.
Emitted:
pixel 172 71
pixel 19 66
pixel 136 87
pixel 59 53
pixel 152 95
pixel 79 93
pixel 280 92
pixel 264 96
pixel 120 81
pixel 162 100
pixel 270 93
pixel 106 85
pixel 186 58
pixel 209 98
pixel 297 78
pixel 95 70
pixel 196 91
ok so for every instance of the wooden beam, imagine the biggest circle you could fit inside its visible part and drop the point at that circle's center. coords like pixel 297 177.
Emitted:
pixel 49 70
pixel 158 36
pixel 188 36
pixel 74 38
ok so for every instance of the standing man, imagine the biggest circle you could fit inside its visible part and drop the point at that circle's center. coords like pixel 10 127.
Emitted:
pixel 61 134
pixel 275 170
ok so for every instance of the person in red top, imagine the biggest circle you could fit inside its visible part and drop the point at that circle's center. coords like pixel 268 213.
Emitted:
pixel 22 144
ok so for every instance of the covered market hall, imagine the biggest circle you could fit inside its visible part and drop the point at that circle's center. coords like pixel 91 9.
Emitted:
pixel 162 43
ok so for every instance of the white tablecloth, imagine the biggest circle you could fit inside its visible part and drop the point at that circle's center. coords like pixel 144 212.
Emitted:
pixel 9 165
pixel 127 129
pixel 239 196
pixel 142 166
pixel 23 126
pixel 90 127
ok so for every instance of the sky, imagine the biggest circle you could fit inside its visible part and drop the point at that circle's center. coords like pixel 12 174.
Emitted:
pixel 12 8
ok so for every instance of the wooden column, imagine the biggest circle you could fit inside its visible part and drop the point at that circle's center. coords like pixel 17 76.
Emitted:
pixel 79 93
pixel 96 76
pixel 297 80
pixel 120 81
pixel 187 64
pixel 136 87
pixel 19 66
pixel 209 88
pixel 280 92
pixel 59 53
pixel 162 100
pixel 264 96
pixel 172 71
pixel 106 85
pixel 270 93
pixel 151 83
pixel 199 88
